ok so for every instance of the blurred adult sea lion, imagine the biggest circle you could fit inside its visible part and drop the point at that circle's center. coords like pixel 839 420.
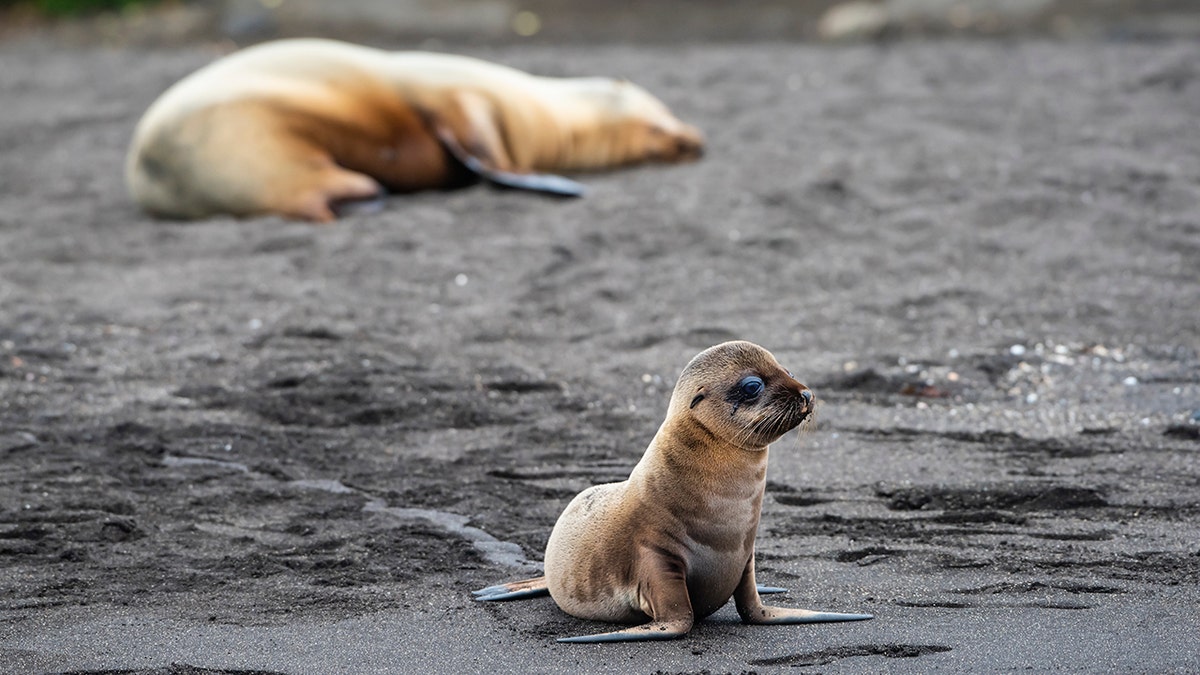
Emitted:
pixel 297 127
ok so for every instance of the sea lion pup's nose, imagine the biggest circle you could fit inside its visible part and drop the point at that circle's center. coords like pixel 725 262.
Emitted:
pixel 807 396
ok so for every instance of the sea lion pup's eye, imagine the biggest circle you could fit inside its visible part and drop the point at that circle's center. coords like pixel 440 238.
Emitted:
pixel 750 387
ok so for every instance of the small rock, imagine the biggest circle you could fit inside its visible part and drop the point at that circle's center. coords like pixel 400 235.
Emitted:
pixel 852 21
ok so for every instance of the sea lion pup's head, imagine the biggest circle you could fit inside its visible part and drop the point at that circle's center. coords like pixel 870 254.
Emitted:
pixel 740 393
pixel 629 125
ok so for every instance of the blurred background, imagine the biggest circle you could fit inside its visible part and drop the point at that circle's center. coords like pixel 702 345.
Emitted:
pixel 428 22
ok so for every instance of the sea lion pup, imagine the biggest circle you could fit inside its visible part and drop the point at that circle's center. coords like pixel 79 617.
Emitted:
pixel 296 127
pixel 675 541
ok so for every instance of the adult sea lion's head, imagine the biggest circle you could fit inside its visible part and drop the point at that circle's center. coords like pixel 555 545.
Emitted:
pixel 626 125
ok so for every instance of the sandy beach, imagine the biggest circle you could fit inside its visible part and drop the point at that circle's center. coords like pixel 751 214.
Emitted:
pixel 262 446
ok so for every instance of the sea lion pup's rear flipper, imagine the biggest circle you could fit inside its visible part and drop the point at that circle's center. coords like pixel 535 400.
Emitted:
pixel 468 130
pixel 513 590
pixel 752 610
pixel 663 596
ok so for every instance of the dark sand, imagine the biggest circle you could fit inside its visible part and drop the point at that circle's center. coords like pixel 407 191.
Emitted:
pixel 267 446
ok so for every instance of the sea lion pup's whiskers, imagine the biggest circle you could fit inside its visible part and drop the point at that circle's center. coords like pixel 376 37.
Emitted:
pixel 675 541
pixel 808 424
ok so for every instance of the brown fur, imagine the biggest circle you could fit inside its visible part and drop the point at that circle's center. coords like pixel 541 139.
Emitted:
pixel 675 541
pixel 296 126
pixel 688 511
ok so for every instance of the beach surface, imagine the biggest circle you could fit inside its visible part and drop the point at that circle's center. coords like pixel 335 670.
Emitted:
pixel 264 446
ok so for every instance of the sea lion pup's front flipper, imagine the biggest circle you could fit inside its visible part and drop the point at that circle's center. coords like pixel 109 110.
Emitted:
pixel 468 129
pixel 655 630
pixel 513 590
pixel 752 610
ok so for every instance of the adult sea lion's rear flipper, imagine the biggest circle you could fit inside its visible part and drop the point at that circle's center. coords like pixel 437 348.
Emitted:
pixel 467 128
pixel 360 207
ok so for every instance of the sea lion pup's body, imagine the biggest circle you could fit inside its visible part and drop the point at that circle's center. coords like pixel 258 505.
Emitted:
pixel 675 541
pixel 295 126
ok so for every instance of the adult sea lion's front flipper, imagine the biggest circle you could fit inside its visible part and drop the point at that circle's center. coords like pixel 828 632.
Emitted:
pixel 467 128
pixel 546 183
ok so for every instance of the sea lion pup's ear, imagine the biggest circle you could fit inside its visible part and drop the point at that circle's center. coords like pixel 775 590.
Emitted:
pixel 697 398
pixel 467 128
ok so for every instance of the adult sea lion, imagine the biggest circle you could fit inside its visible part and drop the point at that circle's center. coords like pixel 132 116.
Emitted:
pixel 675 541
pixel 295 127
